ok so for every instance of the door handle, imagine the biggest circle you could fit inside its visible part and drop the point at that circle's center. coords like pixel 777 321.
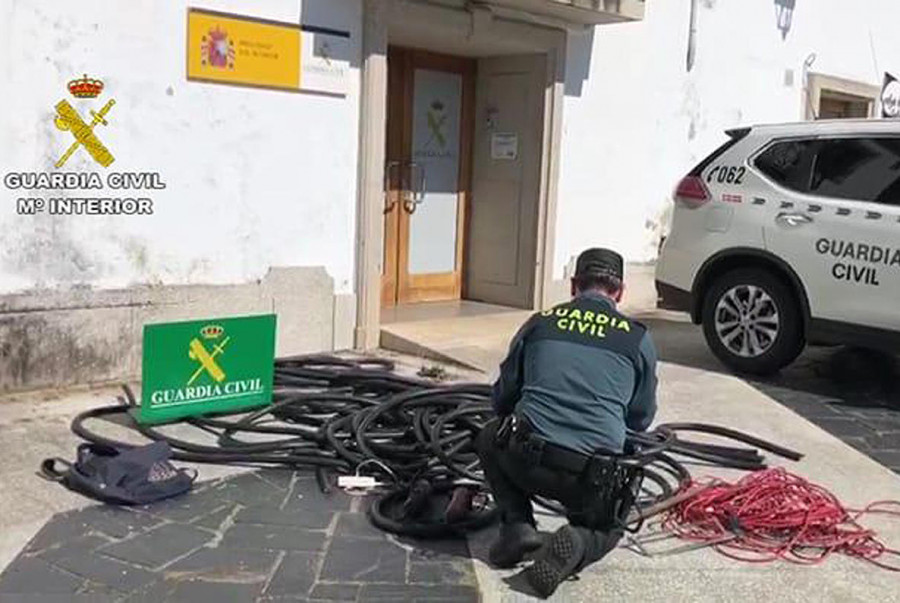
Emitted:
pixel 388 170
pixel 419 190
pixel 792 220
pixel 417 187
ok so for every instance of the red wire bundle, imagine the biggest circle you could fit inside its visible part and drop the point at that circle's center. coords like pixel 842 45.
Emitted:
pixel 773 514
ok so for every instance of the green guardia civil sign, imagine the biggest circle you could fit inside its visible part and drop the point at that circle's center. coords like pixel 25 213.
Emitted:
pixel 205 366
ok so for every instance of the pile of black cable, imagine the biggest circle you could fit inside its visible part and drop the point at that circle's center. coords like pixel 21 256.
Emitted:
pixel 345 416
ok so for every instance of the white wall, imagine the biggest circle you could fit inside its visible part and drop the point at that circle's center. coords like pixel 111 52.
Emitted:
pixel 255 178
pixel 641 121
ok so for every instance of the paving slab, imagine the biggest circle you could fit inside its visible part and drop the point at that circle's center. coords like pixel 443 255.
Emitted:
pixel 199 549
pixel 219 563
pixel 33 576
pixel 158 546
pixel 365 560
pixel 273 538
pixel 335 592
pixel 295 575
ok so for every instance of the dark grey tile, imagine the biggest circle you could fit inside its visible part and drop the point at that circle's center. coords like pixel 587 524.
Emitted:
pixel 885 441
pixel 448 549
pixel 30 575
pixel 306 496
pixel 84 597
pixel 224 565
pixel 860 444
pixel 100 592
pixel 55 532
pixel 882 416
pixel 334 592
pixel 810 408
pixel 295 575
pixel 844 427
pixel 883 421
pixel 109 572
pixel 115 522
pixel 158 546
pixel 408 592
pixel 357 525
pixel 152 593
pixel 269 538
pixel 310 519
pixel 248 490
pixel 198 591
pixel 890 458
pixel 356 560
pixel 188 507
pixel 81 545
pixel 443 572
pixel 213 521
pixel 280 478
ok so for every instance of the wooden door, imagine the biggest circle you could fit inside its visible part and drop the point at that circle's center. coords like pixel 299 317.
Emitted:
pixel 503 215
pixel 427 175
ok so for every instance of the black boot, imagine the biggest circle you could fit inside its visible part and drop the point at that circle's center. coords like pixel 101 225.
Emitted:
pixel 558 560
pixel 515 540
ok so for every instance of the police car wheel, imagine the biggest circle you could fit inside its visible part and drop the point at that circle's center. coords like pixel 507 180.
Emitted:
pixel 752 321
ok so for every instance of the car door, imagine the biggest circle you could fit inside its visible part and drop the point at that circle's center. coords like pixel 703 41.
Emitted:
pixel 834 217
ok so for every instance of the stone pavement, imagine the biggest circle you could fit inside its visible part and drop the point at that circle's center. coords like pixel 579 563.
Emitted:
pixel 242 538
pixel 270 535
pixel 852 394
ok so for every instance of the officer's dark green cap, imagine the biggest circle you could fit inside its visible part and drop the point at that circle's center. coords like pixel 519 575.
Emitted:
pixel 599 262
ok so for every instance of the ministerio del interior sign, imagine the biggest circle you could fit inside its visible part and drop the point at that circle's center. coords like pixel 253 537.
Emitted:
pixel 206 366
pixel 247 51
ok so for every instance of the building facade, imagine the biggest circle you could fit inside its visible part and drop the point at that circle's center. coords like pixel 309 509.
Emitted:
pixel 417 150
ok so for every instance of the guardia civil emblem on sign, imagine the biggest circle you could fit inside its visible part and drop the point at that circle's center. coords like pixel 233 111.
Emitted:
pixel 207 359
pixel 202 366
pixel 437 119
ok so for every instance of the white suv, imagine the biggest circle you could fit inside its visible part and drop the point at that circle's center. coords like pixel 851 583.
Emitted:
pixel 786 235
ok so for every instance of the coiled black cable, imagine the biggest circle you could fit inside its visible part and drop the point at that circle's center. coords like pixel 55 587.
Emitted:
pixel 337 415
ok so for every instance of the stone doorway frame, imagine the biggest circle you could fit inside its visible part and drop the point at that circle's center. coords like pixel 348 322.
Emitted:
pixel 480 29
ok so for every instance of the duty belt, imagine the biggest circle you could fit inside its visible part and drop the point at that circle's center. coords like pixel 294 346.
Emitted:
pixel 542 452
pixel 609 483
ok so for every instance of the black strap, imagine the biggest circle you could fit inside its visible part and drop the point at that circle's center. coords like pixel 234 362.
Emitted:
pixel 49 471
pixel 539 452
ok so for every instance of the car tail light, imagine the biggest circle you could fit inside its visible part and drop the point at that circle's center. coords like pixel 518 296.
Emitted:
pixel 691 192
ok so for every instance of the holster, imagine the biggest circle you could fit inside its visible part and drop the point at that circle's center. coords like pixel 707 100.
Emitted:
pixel 504 432
pixel 611 487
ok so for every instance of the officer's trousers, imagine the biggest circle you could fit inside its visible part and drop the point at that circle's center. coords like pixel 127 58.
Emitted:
pixel 513 481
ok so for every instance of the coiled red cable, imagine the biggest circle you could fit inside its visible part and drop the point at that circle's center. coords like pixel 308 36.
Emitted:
pixel 773 514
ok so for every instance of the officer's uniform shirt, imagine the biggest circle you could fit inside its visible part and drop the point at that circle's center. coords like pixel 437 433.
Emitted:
pixel 580 373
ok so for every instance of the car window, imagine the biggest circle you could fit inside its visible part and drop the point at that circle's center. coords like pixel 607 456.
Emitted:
pixel 789 163
pixel 864 169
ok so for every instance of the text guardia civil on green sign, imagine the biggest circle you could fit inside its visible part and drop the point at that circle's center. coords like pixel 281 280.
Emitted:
pixel 206 366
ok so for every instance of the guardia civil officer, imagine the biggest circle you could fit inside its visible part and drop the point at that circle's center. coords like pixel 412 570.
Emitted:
pixel 575 378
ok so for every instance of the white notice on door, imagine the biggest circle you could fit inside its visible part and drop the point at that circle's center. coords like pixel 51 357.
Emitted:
pixel 504 145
